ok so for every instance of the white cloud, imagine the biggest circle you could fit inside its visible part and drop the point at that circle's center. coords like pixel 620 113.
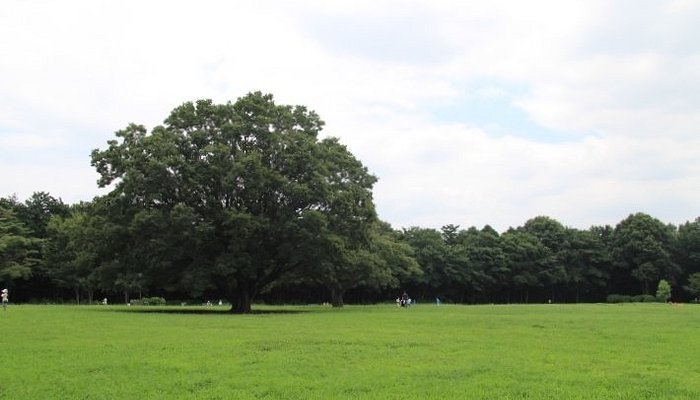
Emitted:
pixel 15 142
pixel 70 182
pixel 613 82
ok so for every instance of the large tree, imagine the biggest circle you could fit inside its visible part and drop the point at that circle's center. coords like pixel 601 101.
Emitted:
pixel 231 196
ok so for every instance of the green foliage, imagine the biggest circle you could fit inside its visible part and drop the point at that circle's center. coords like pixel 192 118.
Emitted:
pixel 19 249
pixel 74 252
pixel 618 298
pixel 688 250
pixel 640 298
pixel 549 231
pixel 37 211
pixel 663 291
pixel 694 284
pixel 230 197
pixel 586 259
pixel 643 245
pixel 148 301
pixel 530 260
pixel 645 298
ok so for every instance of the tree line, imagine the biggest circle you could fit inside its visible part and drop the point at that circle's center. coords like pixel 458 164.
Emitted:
pixel 244 201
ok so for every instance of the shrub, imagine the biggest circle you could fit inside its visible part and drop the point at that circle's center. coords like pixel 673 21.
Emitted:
pixel 664 291
pixel 644 298
pixel 618 298
pixel 149 301
pixel 153 301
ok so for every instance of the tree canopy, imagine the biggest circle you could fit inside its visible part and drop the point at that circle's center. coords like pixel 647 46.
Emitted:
pixel 19 250
pixel 233 195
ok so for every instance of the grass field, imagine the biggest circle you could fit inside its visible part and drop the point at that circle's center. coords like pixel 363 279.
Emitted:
pixel 631 351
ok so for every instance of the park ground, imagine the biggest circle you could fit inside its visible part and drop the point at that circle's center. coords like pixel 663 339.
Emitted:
pixel 594 351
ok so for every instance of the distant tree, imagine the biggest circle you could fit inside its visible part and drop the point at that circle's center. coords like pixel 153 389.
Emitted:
pixel 486 263
pixel 19 249
pixel 642 246
pixel 73 253
pixel 10 202
pixel 553 236
pixel 37 211
pixel 528 259
pixel 688 249
pixel 35 214
pixel 450 234
pixel 663 291
pixel 459 276
pixel 549 231
pixel 395 255
pixel 430 251
pixel 694 284
pixel 587 261
pixel 381 262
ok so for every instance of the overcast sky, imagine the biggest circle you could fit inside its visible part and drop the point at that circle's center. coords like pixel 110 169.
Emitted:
pixel 468 112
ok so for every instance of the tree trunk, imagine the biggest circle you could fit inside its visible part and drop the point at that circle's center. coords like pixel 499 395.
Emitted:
pixel 337 297
pixel 77 296
pixel 242 302
pixel 126 297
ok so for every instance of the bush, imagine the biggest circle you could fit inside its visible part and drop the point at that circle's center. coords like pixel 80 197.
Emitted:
pixel 149 301
pixel 640 298
pixel 664 291
pixel 644 298
pixel 618 298
pixel 153 301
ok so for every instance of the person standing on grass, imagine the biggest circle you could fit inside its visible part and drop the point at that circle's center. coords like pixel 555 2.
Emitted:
pixel 4 299
pixel 404 300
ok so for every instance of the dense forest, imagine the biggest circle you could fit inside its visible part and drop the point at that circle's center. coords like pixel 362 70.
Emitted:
pixel 243 202
pixel 53 252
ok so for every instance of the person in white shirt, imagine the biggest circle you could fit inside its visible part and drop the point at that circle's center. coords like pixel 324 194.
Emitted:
pixel 5 297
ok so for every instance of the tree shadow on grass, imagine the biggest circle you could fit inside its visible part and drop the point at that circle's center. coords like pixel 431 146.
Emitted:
pixel 197 311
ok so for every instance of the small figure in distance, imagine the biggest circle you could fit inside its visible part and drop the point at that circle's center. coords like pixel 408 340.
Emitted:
pixel 404 300
pixel 5 299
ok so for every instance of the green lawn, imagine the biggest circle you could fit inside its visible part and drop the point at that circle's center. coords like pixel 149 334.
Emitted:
pixel 631 351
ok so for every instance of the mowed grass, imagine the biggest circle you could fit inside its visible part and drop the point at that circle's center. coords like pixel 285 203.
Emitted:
pixel 631 351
